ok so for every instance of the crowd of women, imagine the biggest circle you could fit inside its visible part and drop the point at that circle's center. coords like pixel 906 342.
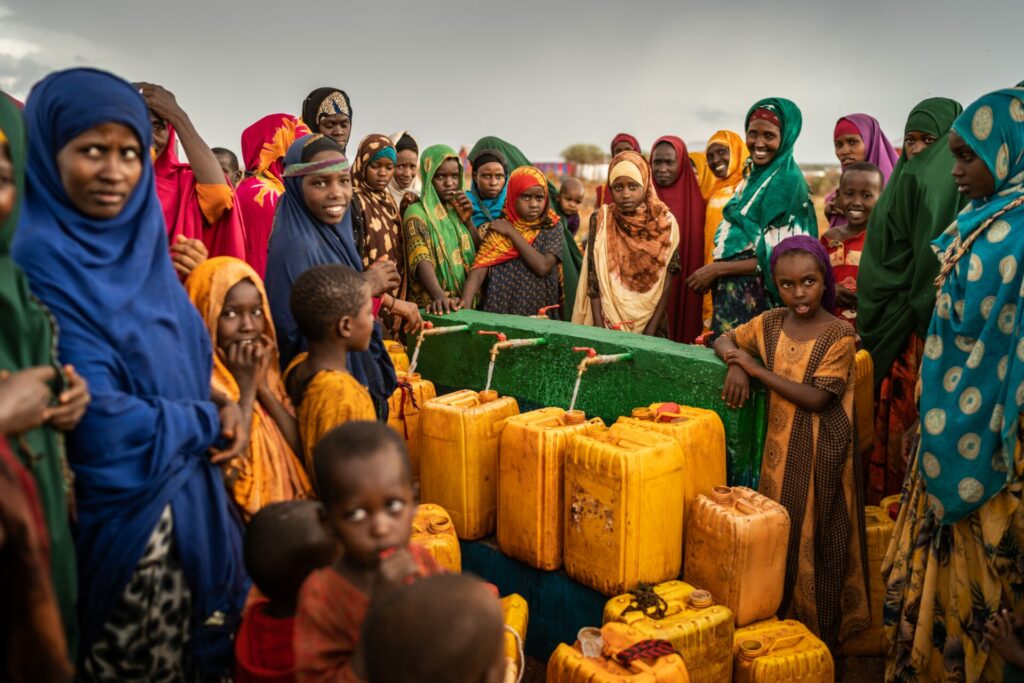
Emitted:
pixel 144 419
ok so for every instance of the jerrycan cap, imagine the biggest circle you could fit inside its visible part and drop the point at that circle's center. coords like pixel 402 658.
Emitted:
pixel 574 417
pixel 642 414
pixel 488 395
pixel 700 599
pixel 751 649
pixel 591 641
pixel 438 524
pixel 722 495
pixel 412 376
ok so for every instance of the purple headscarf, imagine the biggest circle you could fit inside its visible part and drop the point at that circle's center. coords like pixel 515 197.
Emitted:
pixel 877 150
pixel 812 246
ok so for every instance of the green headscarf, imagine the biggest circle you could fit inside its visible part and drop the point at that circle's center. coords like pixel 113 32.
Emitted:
pixel 572 259
pixel 895 284
pixel 27 340
pixel 448 236
pixel 774 202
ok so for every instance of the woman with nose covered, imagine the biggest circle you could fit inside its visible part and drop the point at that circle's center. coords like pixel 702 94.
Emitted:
pixel 517 259
pixel 773 203
pixel 439 247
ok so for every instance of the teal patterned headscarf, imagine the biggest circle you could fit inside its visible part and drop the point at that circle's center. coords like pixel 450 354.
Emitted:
pixel 973 370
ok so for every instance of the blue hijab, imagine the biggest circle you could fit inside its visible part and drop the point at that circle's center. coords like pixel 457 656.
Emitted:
pixel 298 242
pixel 128 327
pixel 973 369
pixel 487 210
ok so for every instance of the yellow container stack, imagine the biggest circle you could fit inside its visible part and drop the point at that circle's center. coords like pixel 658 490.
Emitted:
pixel 699 630
pixel 568 665
pixel 623 519
pixel 404 413
pixel 864 399
pixel 399 358
pixel 780 652
pixel 878 530
pixel 736 549
pixel 433 531
pixel 459 457
pixel 531 483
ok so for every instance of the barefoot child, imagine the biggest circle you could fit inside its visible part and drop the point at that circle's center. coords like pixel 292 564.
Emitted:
pixel 233 303
pixel 810 462
pixel 283 544
pixel 332 307
pixel 858 192
pixel 519 255
pixel 570 199
pixel 365 483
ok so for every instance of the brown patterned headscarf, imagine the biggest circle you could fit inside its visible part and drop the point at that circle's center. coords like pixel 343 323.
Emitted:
pixel 640 244
pixel 383 226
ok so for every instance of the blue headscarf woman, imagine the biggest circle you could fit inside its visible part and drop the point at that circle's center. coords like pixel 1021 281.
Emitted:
pixel 300 241
pixel 159 552
pixel 956 546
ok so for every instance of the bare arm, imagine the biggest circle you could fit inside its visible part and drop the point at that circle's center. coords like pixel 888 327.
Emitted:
pixel 200 157
pixel 652 325
pixel 701 279
pixel 540 264
pixel 803 395
pixel 474 281
pixel 285 420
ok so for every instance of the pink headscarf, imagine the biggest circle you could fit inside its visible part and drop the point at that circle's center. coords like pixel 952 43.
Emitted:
pixel 877 150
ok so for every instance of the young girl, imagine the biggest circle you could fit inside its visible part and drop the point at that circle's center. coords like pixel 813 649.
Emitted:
pixel 623 142
pixel 489 186
pixel 376 223
pixel 520 253
pixel 405 187
pixel 810 462
pixel 232 301
pixel 857 138
pixel 631 255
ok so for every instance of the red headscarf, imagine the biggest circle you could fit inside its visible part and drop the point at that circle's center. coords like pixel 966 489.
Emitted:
pixel 264 145
pixel 604 194
pixel 498 248
pixel 686 202
pixel 176 188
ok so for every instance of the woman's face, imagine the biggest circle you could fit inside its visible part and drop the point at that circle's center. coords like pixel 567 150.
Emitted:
pixel 849 149
pixel 7 191
pixel 622 146
pixel 627 194
pixel 530 204
pixel 763 140
pixel 406 168
pixel 379 174
pixel 718 159
pixel 915 141
pixel 336 126
pixel 664 164
pixel 327 195
pixel 490 178
pixel 970 173
pixel 100 168
pixel 160 134
pixel 446 179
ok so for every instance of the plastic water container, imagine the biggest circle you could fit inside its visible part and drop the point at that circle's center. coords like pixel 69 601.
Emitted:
pixel 432 530
pixel 569 665
pixel 780 652
pixel 624 513
pixel 736 548
pixel 459 457
pixel 891 505
pixel 864 399
pixel 687 617
pixel 399 357
pixel 404 413
pixel 871 642
pixel 516 615
pixel 531 483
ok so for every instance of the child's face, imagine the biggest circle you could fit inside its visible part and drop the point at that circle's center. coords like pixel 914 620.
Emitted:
pixel 849 149
pixel 627 194
pixel 489 178
pixel 858 194
pixel 405 169
pixel 361 325
pixel 570 197
pixel 7 191
pixel 970 173
pixel 336 126
pixel 379 174
pixel 530 204
pixel 327 195
pixel 915 141
pixel 374 509
pixel 446 180
pixel 718 156
pixel 801 283
pixel 763 140
pixel 664 165
pixel 229 166
pixel 241 320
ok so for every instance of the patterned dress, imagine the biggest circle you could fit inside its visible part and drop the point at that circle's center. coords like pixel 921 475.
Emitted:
pixel 515 289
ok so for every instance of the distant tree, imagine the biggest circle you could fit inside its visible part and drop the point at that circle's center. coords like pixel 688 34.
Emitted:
pixel 582 153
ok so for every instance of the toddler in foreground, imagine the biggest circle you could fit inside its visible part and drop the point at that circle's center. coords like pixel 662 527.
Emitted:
pixel 365 482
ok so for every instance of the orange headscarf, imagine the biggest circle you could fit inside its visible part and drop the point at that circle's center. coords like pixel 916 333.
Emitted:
pixel 498 248
pixel 705 178
pixel 268 471
pixel 737 160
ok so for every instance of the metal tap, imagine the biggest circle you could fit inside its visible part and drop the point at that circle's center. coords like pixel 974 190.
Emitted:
pixel 428 330
pixel 505 343
pixel 592 358
pixel 542 313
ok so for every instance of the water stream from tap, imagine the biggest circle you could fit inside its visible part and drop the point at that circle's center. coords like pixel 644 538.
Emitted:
pixel 490 374
pixel 415 357
pixel 576 391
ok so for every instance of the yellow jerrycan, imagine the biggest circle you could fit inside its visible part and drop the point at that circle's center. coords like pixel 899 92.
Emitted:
pixel 623 511
pixel 891 505
pixel 871 642
pixel 580 663
pixel 864 399
pixel 399 357
pixel 516 615
pixel 736 549
pixel 699 630
pixel 459 457
pixel 531 483
pixel 780 652
pixel 404 413
pixel 432 530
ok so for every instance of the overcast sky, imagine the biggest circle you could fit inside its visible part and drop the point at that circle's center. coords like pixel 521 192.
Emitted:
pixel 542 74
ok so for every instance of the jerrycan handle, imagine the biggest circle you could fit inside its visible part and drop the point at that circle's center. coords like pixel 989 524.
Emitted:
pixel 796 638
pixel 745 507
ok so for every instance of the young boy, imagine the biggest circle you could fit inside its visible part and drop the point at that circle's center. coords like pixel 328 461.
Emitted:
pixel 229 164
pixel 332 307
pixel 283 544
pixel 570 198
pixel 366 486
pixel 858 192
pixel 449 629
